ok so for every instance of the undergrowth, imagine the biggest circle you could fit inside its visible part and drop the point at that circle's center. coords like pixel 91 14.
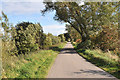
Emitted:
pixel 32 65
pixel 105 60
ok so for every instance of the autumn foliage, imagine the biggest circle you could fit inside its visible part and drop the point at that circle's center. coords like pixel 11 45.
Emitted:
pixel 78 41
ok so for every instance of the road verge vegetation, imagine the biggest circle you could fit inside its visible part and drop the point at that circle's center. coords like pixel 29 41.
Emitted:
pixel 107 61
pixel 27 52
pixel 32 65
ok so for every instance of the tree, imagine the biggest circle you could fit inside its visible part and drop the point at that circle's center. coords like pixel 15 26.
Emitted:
pixel 62 37
pixel 47 42
pixel 28 37
pixel 5 26
pixel 74 35
pixel 108 38
pixel 66 12
pixel 55 39
pixel 90 16
pixel 67 36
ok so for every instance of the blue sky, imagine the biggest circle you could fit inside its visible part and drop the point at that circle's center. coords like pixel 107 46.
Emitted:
pixel 30 11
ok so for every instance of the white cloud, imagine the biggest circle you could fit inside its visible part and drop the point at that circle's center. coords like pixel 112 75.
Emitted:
pixel 22 7
pixel 81 3
pixel 40 0
pixel 0 8
pixel 22 0
pixel 28 8
pixel 54 29
pixel 55 26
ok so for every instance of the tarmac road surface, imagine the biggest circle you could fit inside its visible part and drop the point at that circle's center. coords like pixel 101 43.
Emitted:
pixel 69 64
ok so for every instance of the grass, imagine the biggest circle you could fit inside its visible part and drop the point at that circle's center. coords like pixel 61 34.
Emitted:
pixel 105 60
pixel 0 57
pixel 57 47
pixel 33 65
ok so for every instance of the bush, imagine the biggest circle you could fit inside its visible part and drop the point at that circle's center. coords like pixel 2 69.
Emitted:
pixel 108 38
pixel 84 45
pixel 47 42
pixel 62 37
pixel 78 41
pixel 27 38
pixel 55 39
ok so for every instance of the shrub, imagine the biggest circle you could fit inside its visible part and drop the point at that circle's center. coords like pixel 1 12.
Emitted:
pixel 55 39
pixel 78 41
pixel 108 38
pixel 47 42
pixel 28 37
pixel 84 45
pixel 62 37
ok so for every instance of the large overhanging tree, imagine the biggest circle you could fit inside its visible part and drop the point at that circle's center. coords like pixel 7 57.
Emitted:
pixel 83 18
pixel 68 12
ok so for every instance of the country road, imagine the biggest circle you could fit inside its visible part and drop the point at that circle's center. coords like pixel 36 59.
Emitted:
pixel 69 64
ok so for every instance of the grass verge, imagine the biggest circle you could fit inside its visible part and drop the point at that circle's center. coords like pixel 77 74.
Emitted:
pixel 33 65
pixel 106 61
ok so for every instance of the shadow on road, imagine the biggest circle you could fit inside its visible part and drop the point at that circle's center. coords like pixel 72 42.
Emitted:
pixel 68 51
pixel 64 49
pixel 54 48
pixel 93 72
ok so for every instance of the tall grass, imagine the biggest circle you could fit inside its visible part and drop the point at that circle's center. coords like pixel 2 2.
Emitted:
pixel 0 57
pixel 107 61
pixel 32 65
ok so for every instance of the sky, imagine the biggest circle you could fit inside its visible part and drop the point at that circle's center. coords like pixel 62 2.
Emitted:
pixel 19 11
